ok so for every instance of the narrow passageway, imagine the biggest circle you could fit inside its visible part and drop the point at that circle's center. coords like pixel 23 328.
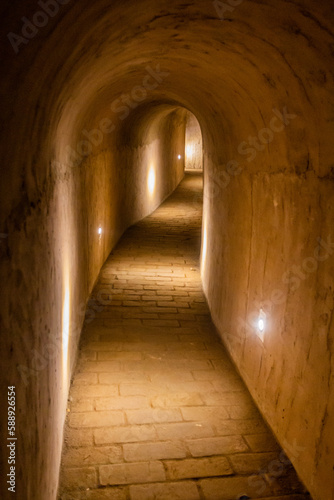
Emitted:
pixel 156 408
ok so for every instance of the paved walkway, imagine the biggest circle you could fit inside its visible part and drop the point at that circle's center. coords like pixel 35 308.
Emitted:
pixel 157 410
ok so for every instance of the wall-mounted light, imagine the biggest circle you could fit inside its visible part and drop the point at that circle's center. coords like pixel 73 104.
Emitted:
pixel 179 157
pixel 100 231
pixel 261 324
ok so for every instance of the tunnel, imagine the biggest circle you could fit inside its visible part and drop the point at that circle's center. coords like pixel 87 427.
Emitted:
pixel 99 103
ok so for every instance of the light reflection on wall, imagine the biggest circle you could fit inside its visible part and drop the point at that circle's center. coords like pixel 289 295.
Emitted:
pixel 65 326
pixel 151 180
pixel 261 325
pixel 189 151
pixel 193 146
pixel 204 247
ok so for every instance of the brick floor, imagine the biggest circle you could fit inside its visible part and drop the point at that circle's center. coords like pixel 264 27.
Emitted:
pixel 157 410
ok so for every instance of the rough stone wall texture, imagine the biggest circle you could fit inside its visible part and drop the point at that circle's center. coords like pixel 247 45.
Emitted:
pixel 230 66
pixel 194 147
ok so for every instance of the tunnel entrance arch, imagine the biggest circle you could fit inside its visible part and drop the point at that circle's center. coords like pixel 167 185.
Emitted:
pixel 156 146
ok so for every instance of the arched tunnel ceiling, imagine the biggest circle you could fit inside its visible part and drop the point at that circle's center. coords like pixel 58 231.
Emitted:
pixel 235 65
pixel 233 69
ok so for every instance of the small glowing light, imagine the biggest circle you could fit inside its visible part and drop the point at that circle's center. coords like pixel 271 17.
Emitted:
pixel 261 324
pixel 151 180
pixel 179 157
pixel 100 231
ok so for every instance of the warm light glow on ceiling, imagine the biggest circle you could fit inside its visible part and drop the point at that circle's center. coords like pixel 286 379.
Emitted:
pixel 151 180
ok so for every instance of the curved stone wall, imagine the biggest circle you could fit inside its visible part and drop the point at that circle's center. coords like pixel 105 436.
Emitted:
pixel 89 93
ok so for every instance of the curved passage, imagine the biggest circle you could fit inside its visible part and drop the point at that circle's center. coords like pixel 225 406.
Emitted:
pixel 157 409
pixel 93 119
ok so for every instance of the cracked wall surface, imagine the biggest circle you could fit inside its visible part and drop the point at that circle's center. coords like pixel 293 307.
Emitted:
pixel 90 97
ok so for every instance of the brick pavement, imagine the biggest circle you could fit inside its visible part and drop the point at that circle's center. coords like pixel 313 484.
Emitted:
pixel 156 408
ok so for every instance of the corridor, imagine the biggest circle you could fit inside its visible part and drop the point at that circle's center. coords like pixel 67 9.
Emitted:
pixel 156 409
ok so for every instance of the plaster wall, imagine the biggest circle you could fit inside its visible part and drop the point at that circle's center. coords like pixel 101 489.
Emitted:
pixel 51 260
pixel 194 147
pixel 242 71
